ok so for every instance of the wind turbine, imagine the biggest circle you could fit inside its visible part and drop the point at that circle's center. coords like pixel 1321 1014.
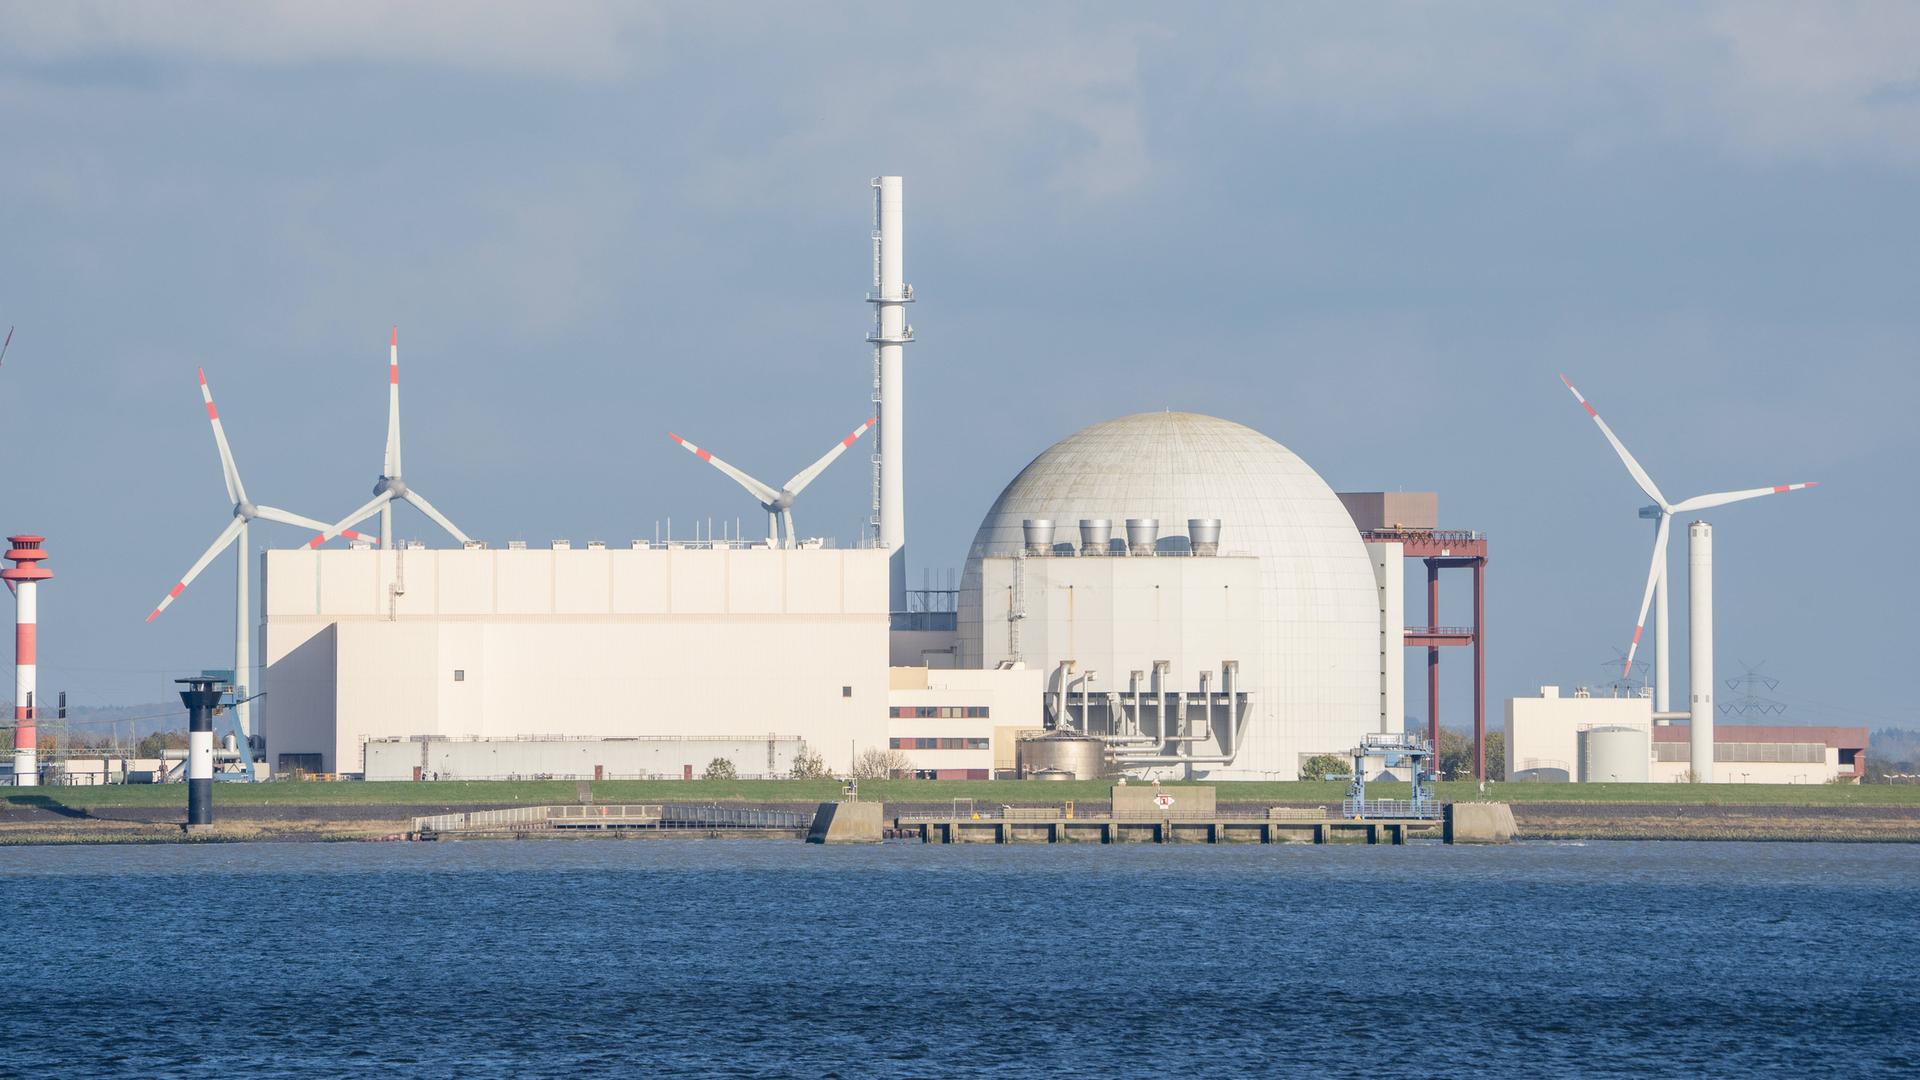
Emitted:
pixel 244 511
pixel 778 504
pixel 1661 513
pixel 390 485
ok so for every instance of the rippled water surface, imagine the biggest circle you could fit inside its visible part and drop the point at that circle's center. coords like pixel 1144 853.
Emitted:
pixel 765 958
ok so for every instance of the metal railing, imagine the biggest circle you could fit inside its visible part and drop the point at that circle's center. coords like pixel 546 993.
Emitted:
pixel 482 819
pixel 595 812
pixel 1389 808
pixel 641 815
pixel 732 817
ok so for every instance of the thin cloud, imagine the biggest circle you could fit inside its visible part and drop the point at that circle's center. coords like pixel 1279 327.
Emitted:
pixel 588 40
pixel 1766 79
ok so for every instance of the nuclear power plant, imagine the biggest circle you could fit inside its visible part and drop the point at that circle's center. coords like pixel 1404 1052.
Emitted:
pixel 1162 595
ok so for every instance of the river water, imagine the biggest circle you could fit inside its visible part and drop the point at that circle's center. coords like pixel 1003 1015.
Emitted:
pixel 773 958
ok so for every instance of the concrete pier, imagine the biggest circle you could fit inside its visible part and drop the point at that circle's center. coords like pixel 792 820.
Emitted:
pixel 1165 830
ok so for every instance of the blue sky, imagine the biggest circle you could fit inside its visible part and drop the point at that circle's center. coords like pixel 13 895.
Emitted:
pixel 1375 233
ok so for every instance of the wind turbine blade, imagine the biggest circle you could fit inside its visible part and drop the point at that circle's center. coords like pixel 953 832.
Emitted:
pixel 236 491
pixel 392 463
pixel 219 544
pixel 1653 578
pixel 754 487
pixel 355 518
pixel 420 503
pixel 1707 502
pixel 1633 467
pixel 5 345
pixel 805 476
pixel 274 513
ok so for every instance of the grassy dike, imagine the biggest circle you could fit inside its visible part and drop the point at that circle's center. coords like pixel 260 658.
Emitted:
pixel 358 810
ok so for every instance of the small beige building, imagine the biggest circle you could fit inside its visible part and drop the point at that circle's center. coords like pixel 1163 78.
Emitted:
pixel 956 724
pixel 584 642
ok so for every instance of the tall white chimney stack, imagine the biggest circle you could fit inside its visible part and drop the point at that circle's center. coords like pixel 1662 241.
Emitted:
pixel 890 295
pixel 1700 644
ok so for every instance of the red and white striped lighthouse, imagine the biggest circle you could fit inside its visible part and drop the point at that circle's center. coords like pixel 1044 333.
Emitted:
pixel 25 576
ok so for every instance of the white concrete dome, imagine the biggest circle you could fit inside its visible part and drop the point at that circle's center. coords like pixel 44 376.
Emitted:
pixel 1317 684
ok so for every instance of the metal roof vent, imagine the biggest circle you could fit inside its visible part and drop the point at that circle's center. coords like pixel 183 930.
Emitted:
pixel 1142 535
pixel 1203 535
pixel 1039 536
pixel 1096 534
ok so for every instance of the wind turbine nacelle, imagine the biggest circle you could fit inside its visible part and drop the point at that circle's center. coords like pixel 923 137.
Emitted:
pixel 1650 513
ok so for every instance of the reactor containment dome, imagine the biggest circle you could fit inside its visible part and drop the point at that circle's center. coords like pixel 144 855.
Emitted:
pixel 1314 674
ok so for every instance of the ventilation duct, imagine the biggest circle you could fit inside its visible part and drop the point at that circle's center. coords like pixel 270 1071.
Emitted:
pixel 1142 535
pixel 1095 535
pixel 1203 535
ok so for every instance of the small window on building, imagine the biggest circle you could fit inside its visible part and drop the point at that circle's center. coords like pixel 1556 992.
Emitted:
pixel 459 674
pixel 846 691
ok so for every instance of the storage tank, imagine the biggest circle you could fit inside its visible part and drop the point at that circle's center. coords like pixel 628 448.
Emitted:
pixel 1082 756
pixel 1614 755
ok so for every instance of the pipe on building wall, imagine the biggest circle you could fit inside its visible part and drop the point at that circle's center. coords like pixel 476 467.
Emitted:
pixel 1206 698
pixel 1160 670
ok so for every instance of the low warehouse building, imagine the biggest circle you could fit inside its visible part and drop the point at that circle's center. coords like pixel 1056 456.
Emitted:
pixel 439 757
pixel 1766 754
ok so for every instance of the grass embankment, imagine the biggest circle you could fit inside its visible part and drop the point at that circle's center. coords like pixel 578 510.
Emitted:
pixel 987 792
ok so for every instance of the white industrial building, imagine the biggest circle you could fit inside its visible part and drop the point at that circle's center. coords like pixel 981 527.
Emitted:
pixel 595 641
pixel 1277 595
pixel 1586 739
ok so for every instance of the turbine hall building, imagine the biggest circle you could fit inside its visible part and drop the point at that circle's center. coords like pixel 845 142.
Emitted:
pixel 715 641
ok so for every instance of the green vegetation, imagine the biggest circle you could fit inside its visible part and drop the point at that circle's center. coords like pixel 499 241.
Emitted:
pixel 414 794
pixel 1324 765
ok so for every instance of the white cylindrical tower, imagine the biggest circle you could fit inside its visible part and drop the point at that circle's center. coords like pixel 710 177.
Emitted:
pixel 25 574
pixel 890 295
pixel 1700 645
pixel 1663 701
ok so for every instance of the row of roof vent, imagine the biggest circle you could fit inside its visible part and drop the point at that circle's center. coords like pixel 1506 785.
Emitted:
pixel 1143 536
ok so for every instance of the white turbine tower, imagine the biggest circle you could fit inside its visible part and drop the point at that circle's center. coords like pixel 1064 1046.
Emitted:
pixel 391 486
pixel 1661 512
pixel 244 511
pixel 777 504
